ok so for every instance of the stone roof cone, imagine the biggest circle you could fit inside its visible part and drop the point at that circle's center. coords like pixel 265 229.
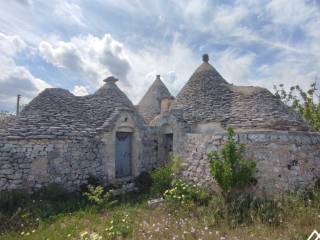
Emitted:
pixel 149 105
pixel 56 111
pixel 208 97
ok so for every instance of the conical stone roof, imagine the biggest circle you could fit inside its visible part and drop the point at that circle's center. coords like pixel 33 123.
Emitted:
pixel 208 97
pixel 56 112
pixel 150 104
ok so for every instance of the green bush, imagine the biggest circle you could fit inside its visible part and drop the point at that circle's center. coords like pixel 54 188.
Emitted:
pixel 161 180
pixel 119 226
pixel 185 195
pixel 229 167
pixel 97 195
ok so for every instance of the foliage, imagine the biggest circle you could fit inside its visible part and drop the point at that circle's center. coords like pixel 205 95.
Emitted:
pixel 5 117
pixel 20 209
pixel 97 195
pixel 229 167
pixel 90 236
pixel 161 180
pixel 185 195
pixel 119 226
pixel 307 103
pixel 293 216
pixel 245 208
pixel 176 162
pixel 143 182
pixel 162 177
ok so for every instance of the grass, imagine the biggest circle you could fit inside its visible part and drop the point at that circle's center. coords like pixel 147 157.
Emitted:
pixel 67 216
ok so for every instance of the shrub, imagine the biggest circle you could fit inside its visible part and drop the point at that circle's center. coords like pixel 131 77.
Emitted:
pixel 143 182
pixel 161 180
pixel 97 195
pixel 229 167
pixel 119 226
pixel 176 162
pixel 185 195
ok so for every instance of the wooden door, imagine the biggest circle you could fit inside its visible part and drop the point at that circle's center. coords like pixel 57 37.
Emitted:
pixel 123 154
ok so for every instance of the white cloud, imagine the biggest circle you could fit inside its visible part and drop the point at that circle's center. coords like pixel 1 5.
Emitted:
pixel 17 80
pixel 79 90
pixel 92 56
pixel 70 13
pixel 235 67
pixel 11 44
pixel 227 19
pixel 175 64
pixel 290 13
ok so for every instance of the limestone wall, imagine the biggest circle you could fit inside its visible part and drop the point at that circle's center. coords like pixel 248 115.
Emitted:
pixel 33 163
pixel 28 164
pixel 285 160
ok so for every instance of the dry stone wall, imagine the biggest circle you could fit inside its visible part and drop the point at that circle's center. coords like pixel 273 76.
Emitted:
pixel 33 163
pixel 285 160
pixel 30 164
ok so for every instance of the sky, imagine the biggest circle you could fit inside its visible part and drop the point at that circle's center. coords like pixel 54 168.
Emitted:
pixel 76 44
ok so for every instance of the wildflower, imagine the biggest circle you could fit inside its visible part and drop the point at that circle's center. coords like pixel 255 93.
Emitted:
pixel 83 234
pixel 33 231
pixel 27 234
pixel 69 235
pixel 22 233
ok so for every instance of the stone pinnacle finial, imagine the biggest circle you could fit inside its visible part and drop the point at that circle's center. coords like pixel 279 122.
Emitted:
pixel 110 79
pixel 158 76
pixel 205 57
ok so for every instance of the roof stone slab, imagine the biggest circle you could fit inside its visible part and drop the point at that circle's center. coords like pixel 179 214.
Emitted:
pixel 56 113
pixel 149 106
pixel 208 97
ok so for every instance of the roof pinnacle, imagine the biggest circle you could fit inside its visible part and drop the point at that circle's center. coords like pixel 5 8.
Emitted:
pixel 111 79
pixel 205 57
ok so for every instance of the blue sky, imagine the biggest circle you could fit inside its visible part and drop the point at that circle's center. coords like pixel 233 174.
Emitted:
pixel 76 44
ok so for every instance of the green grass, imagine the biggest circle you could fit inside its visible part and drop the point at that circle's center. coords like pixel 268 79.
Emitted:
pixel 67 216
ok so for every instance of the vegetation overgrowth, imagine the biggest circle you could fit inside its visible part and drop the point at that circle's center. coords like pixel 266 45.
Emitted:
pixel 187 212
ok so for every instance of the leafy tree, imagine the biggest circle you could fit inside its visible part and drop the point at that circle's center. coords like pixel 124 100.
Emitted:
pixel 229 167
pixel 307 103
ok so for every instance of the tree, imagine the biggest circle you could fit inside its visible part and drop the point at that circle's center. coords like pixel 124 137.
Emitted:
pixel 229 167
pixel 5 117
pixel 307 103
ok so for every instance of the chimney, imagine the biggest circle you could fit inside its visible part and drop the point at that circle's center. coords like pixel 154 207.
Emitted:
pixel 165 104
pixel 205 57
pixel 111 79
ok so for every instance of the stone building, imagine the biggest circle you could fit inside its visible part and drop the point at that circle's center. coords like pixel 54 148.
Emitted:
pixel 65 139
pixel 284 147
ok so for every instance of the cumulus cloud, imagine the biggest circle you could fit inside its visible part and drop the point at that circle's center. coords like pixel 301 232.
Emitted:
pixel 175 64
pixel 17 80
pixel 93 57
pixel 79 90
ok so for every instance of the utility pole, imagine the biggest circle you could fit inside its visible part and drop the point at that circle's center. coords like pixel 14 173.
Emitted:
pixel 18 105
